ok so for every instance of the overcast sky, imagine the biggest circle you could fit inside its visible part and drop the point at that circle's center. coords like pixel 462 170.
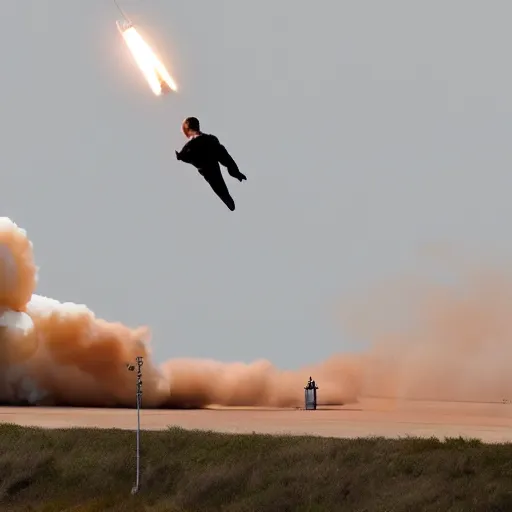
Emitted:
pixel 369 133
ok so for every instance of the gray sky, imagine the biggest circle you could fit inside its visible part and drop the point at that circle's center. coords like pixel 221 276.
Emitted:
pixel 369 131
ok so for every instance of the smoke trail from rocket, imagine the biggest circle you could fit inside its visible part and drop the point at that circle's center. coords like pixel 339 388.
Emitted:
pixel 454 345
pixel 60 354
pixel 449 343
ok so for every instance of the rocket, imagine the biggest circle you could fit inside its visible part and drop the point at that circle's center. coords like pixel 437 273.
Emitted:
pixel 123 26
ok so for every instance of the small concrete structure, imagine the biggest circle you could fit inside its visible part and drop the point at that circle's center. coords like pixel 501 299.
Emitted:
pixel 310 395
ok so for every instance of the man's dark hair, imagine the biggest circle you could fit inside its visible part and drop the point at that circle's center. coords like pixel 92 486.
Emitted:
pixel 193 123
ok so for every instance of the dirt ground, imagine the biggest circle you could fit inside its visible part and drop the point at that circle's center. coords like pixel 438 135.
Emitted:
pixel 491 422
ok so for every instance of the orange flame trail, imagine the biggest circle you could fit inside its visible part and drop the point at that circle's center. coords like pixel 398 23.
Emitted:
pixel 152 68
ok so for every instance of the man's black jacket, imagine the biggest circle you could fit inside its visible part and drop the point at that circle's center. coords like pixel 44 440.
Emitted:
pixel 205 152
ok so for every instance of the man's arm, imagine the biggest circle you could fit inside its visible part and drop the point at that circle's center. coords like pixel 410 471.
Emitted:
pixel 227 161
pixel 185 155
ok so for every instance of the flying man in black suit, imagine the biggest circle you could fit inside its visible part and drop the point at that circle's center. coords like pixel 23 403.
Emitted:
pixel 205 152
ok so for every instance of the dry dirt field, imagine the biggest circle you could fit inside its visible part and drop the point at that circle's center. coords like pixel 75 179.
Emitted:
pixel 490 422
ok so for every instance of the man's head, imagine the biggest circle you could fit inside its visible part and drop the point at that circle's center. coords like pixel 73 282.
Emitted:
pixel 190 127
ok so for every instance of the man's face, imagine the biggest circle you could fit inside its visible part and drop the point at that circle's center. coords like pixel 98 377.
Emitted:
pixel 185 130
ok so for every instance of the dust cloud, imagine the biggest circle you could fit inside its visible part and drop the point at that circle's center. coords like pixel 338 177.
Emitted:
pixel 444 343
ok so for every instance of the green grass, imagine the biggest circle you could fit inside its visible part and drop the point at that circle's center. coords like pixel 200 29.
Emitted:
pixel 94 470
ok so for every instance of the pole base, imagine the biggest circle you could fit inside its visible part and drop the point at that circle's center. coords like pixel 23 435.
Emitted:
pixel 135 490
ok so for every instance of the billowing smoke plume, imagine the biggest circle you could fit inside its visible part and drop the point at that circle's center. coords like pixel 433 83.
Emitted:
pixel 444 342
pixel 453 344
pixel 60 354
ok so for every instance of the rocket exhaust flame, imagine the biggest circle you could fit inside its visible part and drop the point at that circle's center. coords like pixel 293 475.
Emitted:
pixel 155 73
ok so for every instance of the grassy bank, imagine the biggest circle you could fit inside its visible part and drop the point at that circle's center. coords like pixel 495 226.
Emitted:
pixel 93 470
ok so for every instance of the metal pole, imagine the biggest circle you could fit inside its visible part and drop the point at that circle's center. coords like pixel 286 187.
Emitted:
pixel 140 362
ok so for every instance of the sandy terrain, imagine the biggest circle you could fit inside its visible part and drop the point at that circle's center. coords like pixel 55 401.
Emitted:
pixel 491 422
